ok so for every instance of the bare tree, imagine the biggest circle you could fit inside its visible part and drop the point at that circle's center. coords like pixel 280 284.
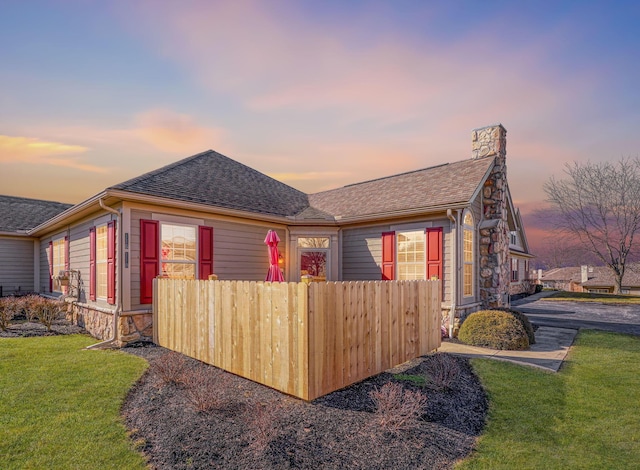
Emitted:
pixel 599 204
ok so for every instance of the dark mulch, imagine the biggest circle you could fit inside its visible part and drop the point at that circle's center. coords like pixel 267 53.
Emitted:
pixel 23 328
pixel 255 427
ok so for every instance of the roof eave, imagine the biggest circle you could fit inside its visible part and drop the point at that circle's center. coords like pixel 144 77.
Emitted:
pixel 400 213
pixel 197 206
pixel 63 218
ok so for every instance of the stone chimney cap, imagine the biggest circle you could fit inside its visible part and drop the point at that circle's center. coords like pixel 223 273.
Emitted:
pixel 489 141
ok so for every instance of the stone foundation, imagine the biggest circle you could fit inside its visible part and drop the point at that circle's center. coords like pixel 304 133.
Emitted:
pixel 135 327
pixel 132 326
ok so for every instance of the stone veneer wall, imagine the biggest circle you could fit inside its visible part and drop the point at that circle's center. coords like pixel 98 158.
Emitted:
pixel 491 142
pixel 131 326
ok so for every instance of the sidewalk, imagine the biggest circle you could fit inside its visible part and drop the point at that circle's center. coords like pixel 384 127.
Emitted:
pixel 550 350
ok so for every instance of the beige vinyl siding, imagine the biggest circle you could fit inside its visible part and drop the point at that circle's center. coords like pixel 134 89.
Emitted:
pixel 16 265
pixel 239 252
pixel 362 254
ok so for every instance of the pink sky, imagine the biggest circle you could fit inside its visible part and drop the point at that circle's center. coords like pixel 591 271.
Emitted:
pixel 318 95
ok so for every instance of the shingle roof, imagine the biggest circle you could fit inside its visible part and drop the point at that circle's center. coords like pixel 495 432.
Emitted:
pixel 601 276
pixel 19 214
pixel 211 178
pixel 562 274
pixel 430 187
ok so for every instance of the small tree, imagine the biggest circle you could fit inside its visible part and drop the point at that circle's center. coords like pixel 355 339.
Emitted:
pixel 599 204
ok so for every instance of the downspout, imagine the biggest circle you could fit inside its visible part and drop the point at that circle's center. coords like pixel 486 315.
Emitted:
pixel 454 271
pixel 116 313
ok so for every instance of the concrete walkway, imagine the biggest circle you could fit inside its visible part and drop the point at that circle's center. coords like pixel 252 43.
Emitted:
pixel 550 350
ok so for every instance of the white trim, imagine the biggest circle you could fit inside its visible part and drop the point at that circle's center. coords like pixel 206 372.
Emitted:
pixel 176 219
pixel 411 227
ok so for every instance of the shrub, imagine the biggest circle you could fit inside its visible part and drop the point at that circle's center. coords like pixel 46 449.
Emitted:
pixel 442 371
pixel 397 410
pixel 170 368
pixel 493 329
pixel 8 308
pixel 524 321
pixel 45 310
pixel 262 426
pixel 205 388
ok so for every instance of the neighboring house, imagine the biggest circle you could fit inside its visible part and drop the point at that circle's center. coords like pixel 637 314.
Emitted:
pixel 18 265
pixel 595 279
pixel 562 279
pixel 600 279
pixel 208 214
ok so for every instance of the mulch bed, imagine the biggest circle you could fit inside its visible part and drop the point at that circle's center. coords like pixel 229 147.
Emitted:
pixel 23 328
pixel 255 427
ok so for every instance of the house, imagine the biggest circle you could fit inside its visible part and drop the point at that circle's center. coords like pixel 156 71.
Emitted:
pixel 18 269
pixel 519 256
pixel 567 278
pixel 208 214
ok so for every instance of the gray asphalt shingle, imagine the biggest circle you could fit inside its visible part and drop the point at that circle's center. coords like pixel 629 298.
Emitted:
pixel 19 213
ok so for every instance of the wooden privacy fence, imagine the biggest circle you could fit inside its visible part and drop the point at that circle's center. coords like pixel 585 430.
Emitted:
pixel 304 340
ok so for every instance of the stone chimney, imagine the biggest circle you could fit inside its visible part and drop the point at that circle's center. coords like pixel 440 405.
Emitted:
pixel 584 273
pixel 491 142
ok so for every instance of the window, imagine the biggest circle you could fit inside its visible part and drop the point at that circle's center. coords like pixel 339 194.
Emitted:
pixel 514 269
pixel 467 252
pixel 101 261
pixel 411 255
pixel 513 238
pixel 57 262
pixel 313 242
pixel 178 251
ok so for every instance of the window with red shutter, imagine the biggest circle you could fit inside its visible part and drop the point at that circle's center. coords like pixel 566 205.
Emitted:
pixel 111 262
pixel 92 263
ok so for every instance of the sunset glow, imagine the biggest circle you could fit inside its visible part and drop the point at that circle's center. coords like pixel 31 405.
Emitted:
pixel 315 94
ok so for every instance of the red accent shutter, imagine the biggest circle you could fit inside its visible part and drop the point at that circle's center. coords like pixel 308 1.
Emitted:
pixel 92 263
pixel 111 262
pixel 50 250
pixel 205 248
pixel 388 256
pixel 434 252
pixel 149 253
pixel 66 261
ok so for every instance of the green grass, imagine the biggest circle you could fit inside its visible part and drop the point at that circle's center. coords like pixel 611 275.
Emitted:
pixel 60 404
pixel 589 297
pixel 585 416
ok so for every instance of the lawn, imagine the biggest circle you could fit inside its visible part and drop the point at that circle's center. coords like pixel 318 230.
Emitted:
pixel 60 404
pixel 585 416
pixel 589 297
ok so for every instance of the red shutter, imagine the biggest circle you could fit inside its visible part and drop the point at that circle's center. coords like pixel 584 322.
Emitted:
pixel 111 262
pixel 388 256
pixel 205 248
pixel 66 261
pixel 149 253
pixel 434 252
pixel 50 254
pixel 92 263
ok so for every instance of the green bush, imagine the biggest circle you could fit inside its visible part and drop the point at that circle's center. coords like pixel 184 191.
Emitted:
pixel 524 320
pixel 494 329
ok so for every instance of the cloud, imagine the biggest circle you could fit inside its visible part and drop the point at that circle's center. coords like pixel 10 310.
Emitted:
pixel 169 131
pixel 276 57
pixel 41 152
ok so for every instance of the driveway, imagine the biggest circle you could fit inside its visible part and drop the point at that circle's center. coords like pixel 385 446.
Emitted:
pixel 576 315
